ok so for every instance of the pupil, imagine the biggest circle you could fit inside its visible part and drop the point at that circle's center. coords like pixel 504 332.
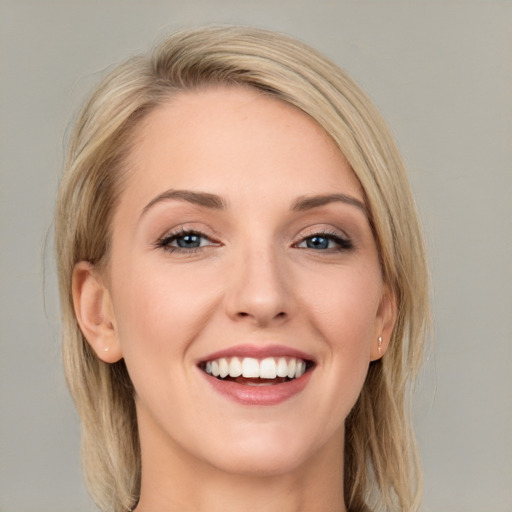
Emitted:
pixel 318 242
pixel 188 241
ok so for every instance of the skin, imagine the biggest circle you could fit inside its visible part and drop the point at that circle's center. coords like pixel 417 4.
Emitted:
pixel 256 280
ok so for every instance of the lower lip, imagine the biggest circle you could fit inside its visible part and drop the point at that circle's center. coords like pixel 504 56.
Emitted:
pixel 272 394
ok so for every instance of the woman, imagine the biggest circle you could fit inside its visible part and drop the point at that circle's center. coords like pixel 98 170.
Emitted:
pixel 243 284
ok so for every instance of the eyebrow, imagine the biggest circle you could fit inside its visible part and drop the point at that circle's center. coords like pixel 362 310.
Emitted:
pixel 215 202
pixel 203 199
pixel 308 202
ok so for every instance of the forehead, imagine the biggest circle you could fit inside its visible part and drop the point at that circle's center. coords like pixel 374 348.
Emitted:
pixel 221 139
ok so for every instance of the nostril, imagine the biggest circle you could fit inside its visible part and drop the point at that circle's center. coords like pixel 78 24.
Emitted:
pixel 261 317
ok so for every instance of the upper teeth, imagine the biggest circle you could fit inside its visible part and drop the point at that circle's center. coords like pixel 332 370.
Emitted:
pixel 249 367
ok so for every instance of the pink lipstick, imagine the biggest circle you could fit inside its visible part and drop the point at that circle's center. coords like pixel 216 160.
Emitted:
pixel 257 375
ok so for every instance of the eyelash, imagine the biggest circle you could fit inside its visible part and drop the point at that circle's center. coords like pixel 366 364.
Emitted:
pixel 165 242
pixel 343 244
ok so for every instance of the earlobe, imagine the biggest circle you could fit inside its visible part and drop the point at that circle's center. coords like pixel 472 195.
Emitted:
pixel 94 312
pixel 385 321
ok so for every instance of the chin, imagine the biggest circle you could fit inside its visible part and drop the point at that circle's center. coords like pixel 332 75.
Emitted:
pixel 276 453
pixel 262 463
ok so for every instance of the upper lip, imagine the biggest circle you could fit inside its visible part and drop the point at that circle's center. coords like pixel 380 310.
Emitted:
pixel 258 352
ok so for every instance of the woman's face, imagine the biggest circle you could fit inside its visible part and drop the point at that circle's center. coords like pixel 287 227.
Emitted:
pixel 241 244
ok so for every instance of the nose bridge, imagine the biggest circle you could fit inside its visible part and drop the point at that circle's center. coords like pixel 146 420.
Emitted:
pixel 259 288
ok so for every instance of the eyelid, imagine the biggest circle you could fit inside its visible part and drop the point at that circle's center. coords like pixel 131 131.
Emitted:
pixel 164 241
pixel 323 229
pixel 195 227
pixel 329 232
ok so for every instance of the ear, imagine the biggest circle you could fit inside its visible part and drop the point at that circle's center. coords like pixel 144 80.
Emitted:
pixel 94 312
pixel 385 321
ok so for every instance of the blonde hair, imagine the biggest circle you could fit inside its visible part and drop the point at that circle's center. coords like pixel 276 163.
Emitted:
pixel 381 462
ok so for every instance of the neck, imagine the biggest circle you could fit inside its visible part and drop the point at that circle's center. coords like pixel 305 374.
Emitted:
pixel 174 481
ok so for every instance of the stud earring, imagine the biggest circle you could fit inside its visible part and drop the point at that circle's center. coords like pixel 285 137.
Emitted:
pixel 106 349
pixel 380 345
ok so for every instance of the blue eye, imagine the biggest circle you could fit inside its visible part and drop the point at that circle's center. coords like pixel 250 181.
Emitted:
pixel 317 242
pixel 184 241
pixel 188 241
pixel 324 241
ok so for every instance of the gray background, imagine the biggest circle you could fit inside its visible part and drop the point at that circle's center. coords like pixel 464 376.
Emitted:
pixel 440 71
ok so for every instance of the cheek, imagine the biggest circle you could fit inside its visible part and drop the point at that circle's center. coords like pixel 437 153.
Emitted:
pixel 158 317
pixel 160 311
pixel 347 319
pixel 344 306
pixel 339 310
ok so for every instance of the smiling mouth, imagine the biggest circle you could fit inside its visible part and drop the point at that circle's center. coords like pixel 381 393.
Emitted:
pixel 250 371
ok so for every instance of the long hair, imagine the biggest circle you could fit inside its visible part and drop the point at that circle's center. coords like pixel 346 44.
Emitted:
pixel 381 466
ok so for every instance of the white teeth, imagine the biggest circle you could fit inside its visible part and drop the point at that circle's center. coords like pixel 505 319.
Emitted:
pixel 235 367
pixel 292 364
pixel 282 367
pixel 223 367
pixel 252 368
pixel 268 368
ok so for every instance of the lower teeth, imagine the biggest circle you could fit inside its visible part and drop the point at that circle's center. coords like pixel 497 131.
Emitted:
pixel 256 381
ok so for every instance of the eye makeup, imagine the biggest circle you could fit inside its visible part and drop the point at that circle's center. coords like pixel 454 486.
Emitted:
pixel 190 241
pixel 184 240
pixel 325 241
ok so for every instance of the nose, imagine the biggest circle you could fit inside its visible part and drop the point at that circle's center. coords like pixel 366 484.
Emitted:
pixel 259 289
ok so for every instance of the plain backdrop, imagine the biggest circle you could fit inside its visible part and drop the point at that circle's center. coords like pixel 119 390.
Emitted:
pixel 441 73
